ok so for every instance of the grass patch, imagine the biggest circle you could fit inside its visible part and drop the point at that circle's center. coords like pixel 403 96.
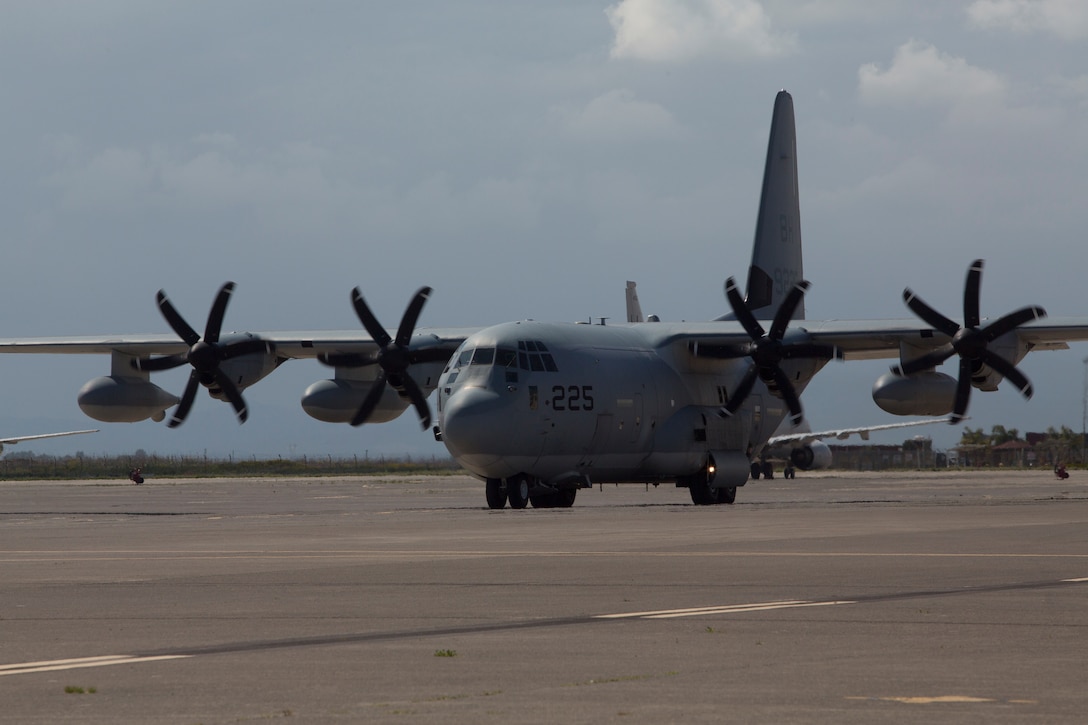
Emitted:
pixel 76 690
pixel 445 653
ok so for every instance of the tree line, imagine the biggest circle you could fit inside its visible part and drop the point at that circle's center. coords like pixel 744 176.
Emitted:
pixel 31 466
pixel 1055 445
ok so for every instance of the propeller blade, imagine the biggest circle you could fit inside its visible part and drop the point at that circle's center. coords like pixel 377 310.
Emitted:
pixel 785 310
pixel 233 395
pixel 963 392
pixel 219 309
pixel 176 321
pixel 187 398
pixel 411 316
pixel 1011 321
pixel 789 394
pixel 370 322
pixel 741 312
pixel 1010 372
pixel 929 315
pixel 971 291
pixel 418 400
pixel 371 400
pixel 744 387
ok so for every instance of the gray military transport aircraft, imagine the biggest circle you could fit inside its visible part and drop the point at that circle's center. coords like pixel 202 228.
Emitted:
pixel 539 410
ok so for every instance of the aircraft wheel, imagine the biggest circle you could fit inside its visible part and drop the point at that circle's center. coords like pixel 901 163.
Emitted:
pixel 565 497
pixel 727 495
pixel 756 470
pixel 701 492
pixel 517 490
pixel 496 493
pixel 768 470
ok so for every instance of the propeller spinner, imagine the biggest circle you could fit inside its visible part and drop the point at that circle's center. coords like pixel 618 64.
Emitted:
pixel 767 350
pixel 969 341
pixel 393 357
pixel 205 354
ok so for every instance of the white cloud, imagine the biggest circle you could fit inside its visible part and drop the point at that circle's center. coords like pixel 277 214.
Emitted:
pixel 683 30
pixel 922 75
pixel 616 116
pixel 1067 19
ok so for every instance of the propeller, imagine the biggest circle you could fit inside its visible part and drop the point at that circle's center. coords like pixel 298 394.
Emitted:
pixel 969 341
pixel 205 354
pixel 393 357
pixel 767 350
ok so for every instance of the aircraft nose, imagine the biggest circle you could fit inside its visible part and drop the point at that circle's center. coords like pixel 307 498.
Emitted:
pixel 471 432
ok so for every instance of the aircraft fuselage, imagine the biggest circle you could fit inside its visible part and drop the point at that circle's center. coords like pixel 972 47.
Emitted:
pixel 577 403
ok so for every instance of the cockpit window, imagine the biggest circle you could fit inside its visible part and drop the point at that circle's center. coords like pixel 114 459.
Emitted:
pixel 483 356
pixel 534 355
pixel 530 355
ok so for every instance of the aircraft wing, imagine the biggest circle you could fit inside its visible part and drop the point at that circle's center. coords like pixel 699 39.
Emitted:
pixel 867 340
pixel 881 339
pixel 844 433
pixel 18 439
pixel 287 344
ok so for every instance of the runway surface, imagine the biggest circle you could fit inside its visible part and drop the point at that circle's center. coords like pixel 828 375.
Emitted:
pixel 835 598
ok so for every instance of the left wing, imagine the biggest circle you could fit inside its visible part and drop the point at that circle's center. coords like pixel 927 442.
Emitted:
pixel 227 363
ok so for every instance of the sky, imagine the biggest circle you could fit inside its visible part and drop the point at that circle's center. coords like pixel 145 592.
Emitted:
pixel 525 160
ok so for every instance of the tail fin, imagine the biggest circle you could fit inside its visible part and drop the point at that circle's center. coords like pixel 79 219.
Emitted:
pixel 776 253
pixel 634 309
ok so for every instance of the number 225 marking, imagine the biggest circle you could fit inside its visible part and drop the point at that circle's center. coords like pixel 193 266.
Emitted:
pixel 572 397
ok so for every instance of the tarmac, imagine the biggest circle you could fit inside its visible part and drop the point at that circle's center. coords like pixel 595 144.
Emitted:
pixel 832 598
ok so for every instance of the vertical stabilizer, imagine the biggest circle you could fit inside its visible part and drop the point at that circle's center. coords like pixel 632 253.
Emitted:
pixel 634 309
pixel 776 253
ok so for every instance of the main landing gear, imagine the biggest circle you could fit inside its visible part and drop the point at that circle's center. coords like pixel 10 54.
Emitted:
pixel 703 494
pixel 521 490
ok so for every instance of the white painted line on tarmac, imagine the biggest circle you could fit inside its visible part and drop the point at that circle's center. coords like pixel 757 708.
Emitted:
pixel 721 609
pixel 24 668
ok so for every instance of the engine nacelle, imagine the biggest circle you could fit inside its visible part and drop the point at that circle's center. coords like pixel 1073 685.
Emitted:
pixel 117 399
pixel 814 456
pixel 245 370
pixel 337 401
pixel 927 393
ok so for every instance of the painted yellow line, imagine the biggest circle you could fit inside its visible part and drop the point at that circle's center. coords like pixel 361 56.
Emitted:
pixel 25 668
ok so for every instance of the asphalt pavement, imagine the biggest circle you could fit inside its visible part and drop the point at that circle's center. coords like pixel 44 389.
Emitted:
pixel 832 598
